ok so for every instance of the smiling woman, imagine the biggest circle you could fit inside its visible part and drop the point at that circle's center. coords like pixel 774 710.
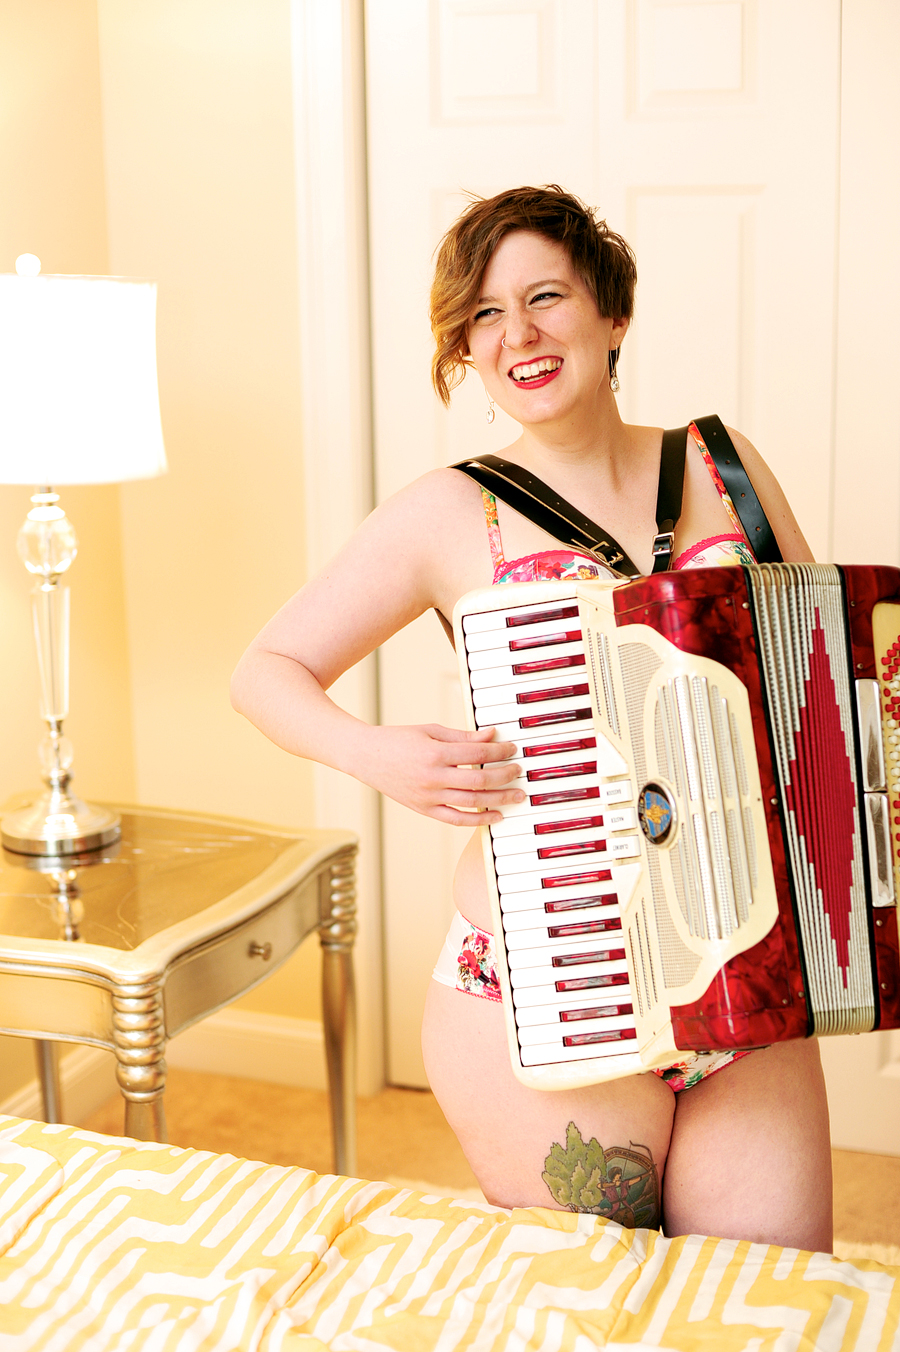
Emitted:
pixel 601 260
pixel 536 294
pixel 537 325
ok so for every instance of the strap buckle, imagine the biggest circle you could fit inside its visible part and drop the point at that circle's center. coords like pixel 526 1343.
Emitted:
pixel 663 543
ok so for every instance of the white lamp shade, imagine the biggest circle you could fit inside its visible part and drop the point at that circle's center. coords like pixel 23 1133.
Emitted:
pixel 79 402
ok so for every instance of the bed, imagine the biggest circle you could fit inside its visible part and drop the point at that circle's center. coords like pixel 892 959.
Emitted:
pixel 110 1243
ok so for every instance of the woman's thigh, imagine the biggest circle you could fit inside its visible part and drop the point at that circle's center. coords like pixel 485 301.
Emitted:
pixel 513 1136
pixel 750 1154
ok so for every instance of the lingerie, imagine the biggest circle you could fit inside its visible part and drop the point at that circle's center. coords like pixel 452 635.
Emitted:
pixel 564 565
pixel 467 962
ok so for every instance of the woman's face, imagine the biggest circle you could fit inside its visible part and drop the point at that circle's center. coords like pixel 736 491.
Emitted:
pixel 556 354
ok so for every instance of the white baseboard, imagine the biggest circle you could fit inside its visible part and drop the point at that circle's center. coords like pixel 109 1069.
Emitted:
pixel 251 1046
pixel 87 1078
pixel 268 1047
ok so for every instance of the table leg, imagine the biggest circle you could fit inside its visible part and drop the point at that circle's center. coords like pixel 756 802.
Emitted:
pixel 337 931
pixel 140 1041
pixel 45 1054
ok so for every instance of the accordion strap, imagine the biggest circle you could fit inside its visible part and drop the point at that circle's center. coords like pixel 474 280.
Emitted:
pixel 753 519
pixel 536 501
pixel 668 496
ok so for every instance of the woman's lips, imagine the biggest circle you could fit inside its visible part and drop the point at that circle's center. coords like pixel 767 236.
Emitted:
pixel 534 375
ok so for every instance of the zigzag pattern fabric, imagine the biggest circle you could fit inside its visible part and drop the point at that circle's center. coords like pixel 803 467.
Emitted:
pixel 110 1244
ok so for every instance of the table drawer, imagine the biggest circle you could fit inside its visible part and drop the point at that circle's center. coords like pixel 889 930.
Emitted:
pixel 222 969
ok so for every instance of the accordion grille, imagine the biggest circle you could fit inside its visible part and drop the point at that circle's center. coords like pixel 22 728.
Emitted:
pixel 713 860
pixel 601 671
pixel 679 963
pixel 800 625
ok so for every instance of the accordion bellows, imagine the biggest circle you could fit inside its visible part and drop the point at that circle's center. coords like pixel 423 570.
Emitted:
pixel 707 857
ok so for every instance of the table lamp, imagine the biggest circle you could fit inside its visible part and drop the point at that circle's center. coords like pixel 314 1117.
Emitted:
pixel 79 404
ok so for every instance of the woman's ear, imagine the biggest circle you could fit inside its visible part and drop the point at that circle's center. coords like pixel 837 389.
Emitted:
pixel 619 329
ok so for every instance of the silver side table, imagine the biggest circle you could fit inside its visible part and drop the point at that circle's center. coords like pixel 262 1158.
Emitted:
pixel 126 946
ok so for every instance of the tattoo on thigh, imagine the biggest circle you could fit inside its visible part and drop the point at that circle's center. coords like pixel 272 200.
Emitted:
pixel 620 1183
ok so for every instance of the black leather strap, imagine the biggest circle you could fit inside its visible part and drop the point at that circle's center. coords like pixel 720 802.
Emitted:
pixel 536 501
pixel 740 489
pixel 669 496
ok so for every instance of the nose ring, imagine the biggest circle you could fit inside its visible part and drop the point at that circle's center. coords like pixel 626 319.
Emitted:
pixel 503 342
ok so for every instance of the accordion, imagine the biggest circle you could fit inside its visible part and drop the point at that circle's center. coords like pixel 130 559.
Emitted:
pixel 708 854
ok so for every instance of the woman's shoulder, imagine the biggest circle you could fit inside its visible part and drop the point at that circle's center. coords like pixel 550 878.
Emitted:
pixel 433 521
pixel 438 491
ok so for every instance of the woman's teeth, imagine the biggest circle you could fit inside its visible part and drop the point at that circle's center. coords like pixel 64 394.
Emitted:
pixel 536 368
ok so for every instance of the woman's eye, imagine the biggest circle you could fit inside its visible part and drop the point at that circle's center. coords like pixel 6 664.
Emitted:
pixel 487 313
pixel 545 295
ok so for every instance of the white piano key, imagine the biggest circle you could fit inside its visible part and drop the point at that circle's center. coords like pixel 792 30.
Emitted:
pixel 534 919
pixel 584 796
pixel 559 762
pixel 621 878
pixel 528 691
pixel 531 948
pixel 528 843
pixel 498 668
pixel 553 1034
pixel 524 823
pixel 551 721
pixel 524 862
pixel 557 847
pixel 529 1015
pixel 541 995
pixel 534 966
pixel 511 879
pixel 535 898
pixel 541 942
pixel 498 649
pixel 522 617
pixel 561 777
pixel 535 747
pixel 554 705
pixel 577 778
pixel 526 817
pixel 545 1056
pixel 592 872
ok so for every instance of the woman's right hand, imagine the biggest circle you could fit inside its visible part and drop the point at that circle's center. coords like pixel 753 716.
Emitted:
pixel 445 773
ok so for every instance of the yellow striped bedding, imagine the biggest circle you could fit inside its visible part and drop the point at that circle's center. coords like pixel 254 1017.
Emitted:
pixel 109 1244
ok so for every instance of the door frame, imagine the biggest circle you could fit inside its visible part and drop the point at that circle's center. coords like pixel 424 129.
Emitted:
pixel 328 63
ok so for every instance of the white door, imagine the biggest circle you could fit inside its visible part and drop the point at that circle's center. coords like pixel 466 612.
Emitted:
pixel 706 131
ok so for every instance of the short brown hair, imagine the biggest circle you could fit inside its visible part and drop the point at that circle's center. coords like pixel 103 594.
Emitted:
pixel 602 259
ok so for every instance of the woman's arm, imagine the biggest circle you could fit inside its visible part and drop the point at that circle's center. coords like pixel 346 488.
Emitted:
pixel 793 546
pixel 392 570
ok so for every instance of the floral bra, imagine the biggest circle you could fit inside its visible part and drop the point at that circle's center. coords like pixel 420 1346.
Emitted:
pixel 567 564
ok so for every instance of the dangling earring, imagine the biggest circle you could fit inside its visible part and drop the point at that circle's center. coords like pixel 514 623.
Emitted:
pixel 490 415
pixel 613 378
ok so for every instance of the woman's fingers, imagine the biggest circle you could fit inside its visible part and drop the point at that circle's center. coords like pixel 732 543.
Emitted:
pixel 470 819
pixel 454 776
pixel 454 747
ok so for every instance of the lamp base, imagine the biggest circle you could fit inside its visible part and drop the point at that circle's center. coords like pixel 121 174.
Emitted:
pixel 58 823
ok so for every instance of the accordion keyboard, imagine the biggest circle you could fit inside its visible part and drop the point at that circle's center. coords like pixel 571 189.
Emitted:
pixel 561 855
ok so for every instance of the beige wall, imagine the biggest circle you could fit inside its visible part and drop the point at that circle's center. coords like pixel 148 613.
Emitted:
pixel 200 196
pixel 52 204
pixel 155 140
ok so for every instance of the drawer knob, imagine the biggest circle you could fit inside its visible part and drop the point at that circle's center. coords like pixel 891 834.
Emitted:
pixel 263 951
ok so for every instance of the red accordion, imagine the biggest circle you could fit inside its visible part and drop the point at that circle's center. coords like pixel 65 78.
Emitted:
pixel 708 856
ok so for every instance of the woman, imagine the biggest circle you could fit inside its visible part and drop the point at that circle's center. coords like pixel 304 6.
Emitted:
pixel 536 296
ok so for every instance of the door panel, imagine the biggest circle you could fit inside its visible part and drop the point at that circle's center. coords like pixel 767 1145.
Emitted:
pixel 705 132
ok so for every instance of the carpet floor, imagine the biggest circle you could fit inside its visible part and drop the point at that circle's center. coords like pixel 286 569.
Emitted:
pixel 404 1138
